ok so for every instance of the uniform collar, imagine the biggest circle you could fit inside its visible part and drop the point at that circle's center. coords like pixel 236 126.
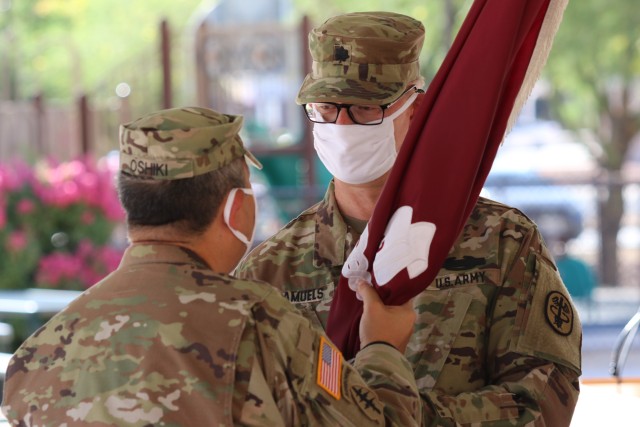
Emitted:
pixel 141 253
pixel 332 243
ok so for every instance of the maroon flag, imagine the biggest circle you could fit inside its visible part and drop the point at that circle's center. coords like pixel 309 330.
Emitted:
pixel 435 182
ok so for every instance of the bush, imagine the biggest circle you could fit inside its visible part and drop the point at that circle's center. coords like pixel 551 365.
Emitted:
pixel 57 223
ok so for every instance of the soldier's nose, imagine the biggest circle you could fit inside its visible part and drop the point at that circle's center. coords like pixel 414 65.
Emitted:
pixel 343 117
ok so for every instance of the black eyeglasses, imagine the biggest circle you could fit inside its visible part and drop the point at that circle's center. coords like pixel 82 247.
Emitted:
pixel 362 114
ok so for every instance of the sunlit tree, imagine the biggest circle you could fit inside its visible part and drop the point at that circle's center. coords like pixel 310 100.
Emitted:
pixel 595 75
pixel 60 48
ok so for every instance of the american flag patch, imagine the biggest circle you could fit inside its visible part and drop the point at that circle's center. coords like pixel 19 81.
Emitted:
pixel 329 368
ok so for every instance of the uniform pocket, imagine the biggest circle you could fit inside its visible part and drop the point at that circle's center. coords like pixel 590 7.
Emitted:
pixel 440 315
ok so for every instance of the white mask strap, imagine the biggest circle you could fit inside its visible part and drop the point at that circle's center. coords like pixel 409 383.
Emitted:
pixel 227 213
pixel 404 107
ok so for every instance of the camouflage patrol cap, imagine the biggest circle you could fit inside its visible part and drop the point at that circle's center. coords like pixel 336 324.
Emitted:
pixel 363 56
pixel 181 143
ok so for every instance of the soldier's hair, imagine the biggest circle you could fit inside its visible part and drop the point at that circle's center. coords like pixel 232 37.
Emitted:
pixel 189 205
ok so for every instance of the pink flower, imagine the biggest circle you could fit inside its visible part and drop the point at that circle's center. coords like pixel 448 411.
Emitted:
pixel 87 217
pixel 17 241
pixel 87 266
pixel 14 175
pixel 3 212
pixel 56 268
pixel 25 206
pixel 86 249
pixel 73 198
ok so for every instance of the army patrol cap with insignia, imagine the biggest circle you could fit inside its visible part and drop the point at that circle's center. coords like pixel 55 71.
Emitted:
pixel 181 143
pixel 363 56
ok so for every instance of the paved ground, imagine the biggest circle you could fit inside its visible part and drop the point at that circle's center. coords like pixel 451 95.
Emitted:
pixel 603 402
pixel 608 405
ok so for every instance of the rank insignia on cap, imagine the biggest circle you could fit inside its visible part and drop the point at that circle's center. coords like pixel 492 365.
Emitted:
pixel 559 313
pixel 340 53
pixel 329 368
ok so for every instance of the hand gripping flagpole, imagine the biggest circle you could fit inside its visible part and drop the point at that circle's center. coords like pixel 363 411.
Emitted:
pixel 473 100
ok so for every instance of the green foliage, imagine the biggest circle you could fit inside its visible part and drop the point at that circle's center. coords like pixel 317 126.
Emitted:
pixel 596 53
pixel 21 247
pixel 62 48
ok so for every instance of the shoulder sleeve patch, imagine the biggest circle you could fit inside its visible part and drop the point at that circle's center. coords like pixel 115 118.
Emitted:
pixel 329 375
pixel 559 313
pixel 550 327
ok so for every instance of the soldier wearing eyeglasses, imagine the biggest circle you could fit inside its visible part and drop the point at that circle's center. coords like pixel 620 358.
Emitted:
pixel 497 340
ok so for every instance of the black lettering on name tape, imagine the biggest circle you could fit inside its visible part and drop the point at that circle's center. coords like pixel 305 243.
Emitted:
pixel 141 167
pixel 304 296
pixel 460 279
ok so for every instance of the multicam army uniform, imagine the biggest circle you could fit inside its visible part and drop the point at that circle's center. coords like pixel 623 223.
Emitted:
pixel 165 341
pixel 497 340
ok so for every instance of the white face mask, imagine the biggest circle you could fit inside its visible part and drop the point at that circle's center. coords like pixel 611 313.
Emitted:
pixel 248 241
pixel 357 154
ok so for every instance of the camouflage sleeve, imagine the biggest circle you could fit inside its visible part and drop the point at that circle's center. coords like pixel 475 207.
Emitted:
pixel 378 364
pixel 533 344
pixel 533 399
pixel 293 375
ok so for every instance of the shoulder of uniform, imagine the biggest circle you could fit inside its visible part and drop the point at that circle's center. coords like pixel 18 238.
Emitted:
pixel 253 290
pixel 496 207
pixel 487 207
pixel 493 226
pixel 283 240
pixel 306 215
pixel 304 220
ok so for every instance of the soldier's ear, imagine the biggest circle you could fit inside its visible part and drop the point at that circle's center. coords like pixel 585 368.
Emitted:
pixel 234 206
pixel 416 104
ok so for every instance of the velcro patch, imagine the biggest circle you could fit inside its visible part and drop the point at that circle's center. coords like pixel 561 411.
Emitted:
pixel 329 375
pixel 367 401
pixel 547 326
pixel 559 313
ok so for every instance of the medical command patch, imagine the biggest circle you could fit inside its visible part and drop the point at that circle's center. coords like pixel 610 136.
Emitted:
pixel 559 313
pixel 329 368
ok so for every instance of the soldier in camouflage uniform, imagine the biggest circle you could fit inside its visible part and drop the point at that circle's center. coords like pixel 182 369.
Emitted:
pixel 497 341
pixel 171 339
